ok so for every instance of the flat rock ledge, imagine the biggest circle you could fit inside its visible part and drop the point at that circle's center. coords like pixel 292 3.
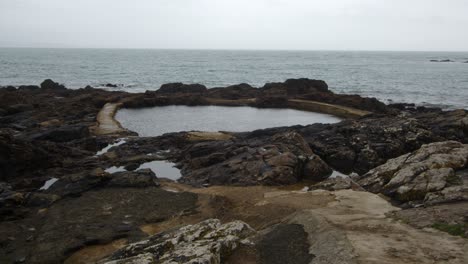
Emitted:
pixel 434 174
pixel 207 242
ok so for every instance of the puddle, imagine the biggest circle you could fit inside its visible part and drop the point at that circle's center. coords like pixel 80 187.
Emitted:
pixel 115 169
pixel 48 183
pixel 162 169
pixel 117 143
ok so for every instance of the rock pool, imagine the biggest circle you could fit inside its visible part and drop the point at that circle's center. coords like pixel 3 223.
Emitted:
pixel 156 121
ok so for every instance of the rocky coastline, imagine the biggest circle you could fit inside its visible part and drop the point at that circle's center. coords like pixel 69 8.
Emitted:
pixel 239 192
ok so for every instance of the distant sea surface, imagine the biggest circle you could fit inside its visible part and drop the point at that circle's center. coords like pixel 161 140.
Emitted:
pixel 389 76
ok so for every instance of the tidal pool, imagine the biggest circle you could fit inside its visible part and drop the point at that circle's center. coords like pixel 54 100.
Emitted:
pixel 156 121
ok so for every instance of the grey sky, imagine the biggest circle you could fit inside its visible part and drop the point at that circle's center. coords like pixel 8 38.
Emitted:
pixel 237 24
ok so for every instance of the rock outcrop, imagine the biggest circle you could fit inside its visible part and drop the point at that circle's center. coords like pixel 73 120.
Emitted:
pixel 172 88
pixel 285 159
pixel 51 85
pixel 207 242
pixel 430 175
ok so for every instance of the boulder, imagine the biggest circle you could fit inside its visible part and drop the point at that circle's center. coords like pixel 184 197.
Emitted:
pixel 427 175
pixel 208 242
pixel 48 84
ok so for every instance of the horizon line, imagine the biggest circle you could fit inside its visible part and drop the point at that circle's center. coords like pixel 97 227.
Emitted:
pixel 230 49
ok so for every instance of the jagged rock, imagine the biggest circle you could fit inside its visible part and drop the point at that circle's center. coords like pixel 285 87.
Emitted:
pixel 360 145
pixel 284 159
pixel 207 242
pixel 428 174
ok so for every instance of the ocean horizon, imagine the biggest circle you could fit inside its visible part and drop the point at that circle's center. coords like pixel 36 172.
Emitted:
pixel 390 76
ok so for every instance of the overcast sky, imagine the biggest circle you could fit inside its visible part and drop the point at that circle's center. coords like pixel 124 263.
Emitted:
pixel 237 24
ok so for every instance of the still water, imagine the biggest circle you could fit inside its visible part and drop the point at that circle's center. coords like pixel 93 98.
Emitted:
pixel 156 121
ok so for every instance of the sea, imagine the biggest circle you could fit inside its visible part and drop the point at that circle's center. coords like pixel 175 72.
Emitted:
pixel 392 77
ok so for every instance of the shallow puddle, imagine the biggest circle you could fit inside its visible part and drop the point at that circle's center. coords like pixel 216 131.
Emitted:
pixel 115 144
pixel 115 169
pixel 48 183
pixel 162 169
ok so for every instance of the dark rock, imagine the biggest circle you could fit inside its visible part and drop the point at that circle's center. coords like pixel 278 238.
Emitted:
pixel 294 87
pixel 171 88
pixel 98 217
pixel 20 158
pixel 111 85
pixel 132 166
pixel 233 92
pixel 41 199
pixel 48 84
pixel 28 87
pixel 8 88
pixel 445 60
pixel 18 108
pixel 138 179
pixel 63 133
pixel 75 184
pixel 286 243
pixel 271 102
pixel 284 159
